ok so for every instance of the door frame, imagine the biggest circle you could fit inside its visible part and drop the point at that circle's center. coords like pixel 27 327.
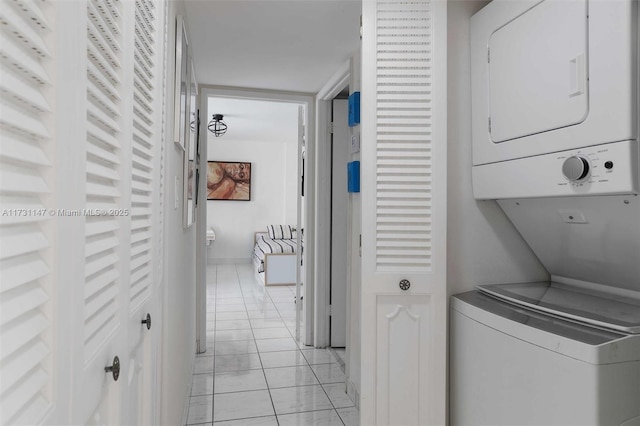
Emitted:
pixel 307 101
pixel 322 278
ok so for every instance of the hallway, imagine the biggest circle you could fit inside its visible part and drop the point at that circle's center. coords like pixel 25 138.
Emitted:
pixel 254 372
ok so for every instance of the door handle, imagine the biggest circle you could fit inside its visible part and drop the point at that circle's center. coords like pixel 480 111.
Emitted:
pixel 114 369
pixel 147 321
pixel 577 75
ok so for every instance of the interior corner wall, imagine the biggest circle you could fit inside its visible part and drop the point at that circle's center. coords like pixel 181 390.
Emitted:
pixel 178 316
pixel 274 170
pixel 482 244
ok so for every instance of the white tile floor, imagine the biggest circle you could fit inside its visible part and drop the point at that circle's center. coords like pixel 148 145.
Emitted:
pixel 254 372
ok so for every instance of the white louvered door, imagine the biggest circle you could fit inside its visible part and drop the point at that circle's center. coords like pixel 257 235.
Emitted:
pixel 146 118
pixel 122 158
pixel 96 397
pixel 403 148
pixel 28 333
pixel 80 229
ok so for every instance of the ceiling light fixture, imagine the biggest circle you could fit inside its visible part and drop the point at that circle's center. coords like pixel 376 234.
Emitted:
pixel 216 126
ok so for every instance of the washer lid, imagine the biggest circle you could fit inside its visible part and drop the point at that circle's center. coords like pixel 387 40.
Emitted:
pixel 586 306
pixel 555 326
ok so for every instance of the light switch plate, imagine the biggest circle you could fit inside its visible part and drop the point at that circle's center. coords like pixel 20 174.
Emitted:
pixel 355 143
pixel 175 192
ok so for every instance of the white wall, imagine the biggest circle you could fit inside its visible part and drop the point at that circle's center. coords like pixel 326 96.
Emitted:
pixel 482 244
pixel 274 164
pixel 178 316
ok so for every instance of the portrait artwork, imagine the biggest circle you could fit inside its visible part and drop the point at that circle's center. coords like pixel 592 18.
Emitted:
pixel 228 181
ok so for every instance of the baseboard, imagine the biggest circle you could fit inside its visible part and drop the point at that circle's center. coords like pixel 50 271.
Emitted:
pixel 229 261
pixel 185 409
pixel 353 394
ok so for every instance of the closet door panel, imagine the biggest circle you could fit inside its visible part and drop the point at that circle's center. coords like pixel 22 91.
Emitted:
pixel 403 152
pixel 28 330
pixel 145 150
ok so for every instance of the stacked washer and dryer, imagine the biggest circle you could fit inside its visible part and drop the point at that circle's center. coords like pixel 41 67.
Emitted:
pixel 555 111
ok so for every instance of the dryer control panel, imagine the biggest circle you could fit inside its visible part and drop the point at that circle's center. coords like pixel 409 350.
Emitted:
pixel 598 170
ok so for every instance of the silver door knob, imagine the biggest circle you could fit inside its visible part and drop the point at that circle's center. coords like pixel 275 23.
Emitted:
pixel 114 369
pixel 404 285
pixel 147 321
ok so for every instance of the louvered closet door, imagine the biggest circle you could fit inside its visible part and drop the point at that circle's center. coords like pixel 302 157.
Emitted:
pixel 146 120
pixel 403 212
pixel 101 302
pixel 80 173
pixel 115 147
pixel 28 332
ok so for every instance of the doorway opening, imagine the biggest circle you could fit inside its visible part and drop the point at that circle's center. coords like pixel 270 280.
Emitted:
pixel 267 131
pixel 338 259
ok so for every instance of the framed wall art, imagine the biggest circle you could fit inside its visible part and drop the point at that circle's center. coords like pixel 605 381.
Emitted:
pixel 228 181
pixel 181 101
pixel 191 147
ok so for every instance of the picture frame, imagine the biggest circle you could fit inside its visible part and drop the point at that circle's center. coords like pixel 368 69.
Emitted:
pixel 181 85
pixel 229 181
pixel 198 165
pixel 190 154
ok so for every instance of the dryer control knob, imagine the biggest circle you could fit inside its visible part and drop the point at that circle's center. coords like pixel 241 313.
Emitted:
pixel 575 168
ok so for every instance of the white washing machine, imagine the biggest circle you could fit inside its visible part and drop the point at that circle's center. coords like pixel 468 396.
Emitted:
pixel 555 113
pixel 514 366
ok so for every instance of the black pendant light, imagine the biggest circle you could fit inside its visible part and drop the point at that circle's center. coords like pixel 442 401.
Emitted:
pixel 216 126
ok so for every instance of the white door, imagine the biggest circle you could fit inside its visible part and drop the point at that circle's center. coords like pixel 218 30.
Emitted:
pixel 81 147
pixel 32 381
pixel 94 247
pixel 403 188
pixel 300 254
pixel 340 149
pixel 121 173
pixel 143 341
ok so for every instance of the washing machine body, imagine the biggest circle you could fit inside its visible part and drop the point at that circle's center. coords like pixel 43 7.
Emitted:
pixel 513 366
pixel 555 144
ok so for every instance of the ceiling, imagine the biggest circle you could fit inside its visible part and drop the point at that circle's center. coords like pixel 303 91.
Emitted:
pixel 294 45
pixel 255 121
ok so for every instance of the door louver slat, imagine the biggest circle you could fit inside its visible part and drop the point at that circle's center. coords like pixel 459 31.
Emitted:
pixel 102 81
pixel 31 356
pixel 21 271
pixel 103 66
pixel 403 149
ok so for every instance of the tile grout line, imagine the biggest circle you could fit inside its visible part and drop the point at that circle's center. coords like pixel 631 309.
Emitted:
pixel 283 414
pixel 215 321
pixel 327 395
pixel 259 357
pixel 318 379
pixel 194 373
pixel 280 317
pixel 244 291
pixel 309 365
